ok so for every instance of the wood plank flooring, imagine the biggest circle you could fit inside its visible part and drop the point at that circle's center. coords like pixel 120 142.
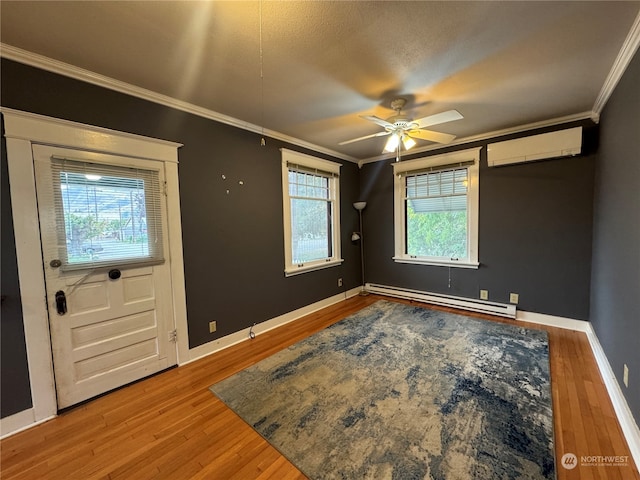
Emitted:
pixel 170 426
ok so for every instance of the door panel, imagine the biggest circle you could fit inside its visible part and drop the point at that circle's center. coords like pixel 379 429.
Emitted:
pixel 98 332
pixel 116 329
pixel 109 357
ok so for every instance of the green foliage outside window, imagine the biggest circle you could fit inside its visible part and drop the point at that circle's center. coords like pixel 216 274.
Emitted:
pixel 436 234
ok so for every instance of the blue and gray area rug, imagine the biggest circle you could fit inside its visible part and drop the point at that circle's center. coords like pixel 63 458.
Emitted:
pixel 403 392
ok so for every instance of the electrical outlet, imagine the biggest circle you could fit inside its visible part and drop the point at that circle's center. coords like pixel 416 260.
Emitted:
pixel 213 326
pixel 625 376
pixel 484 294
pixel 339 282
pixel 513 298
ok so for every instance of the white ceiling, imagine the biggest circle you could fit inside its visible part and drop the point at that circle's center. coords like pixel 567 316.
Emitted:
pixel 501 64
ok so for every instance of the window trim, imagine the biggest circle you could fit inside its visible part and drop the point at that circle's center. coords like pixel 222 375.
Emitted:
pixel 438 162
pixel 332 170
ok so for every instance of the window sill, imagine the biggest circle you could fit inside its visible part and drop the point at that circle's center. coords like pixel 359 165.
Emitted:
pixel 291 271
pixel 437 263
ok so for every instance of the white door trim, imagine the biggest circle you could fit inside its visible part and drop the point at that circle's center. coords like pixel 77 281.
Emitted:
pixel 22 129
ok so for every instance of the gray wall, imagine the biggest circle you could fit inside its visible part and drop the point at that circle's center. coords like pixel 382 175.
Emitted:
pixel 615 290
pixel 536 225
pixel 233 244
pixel 534 238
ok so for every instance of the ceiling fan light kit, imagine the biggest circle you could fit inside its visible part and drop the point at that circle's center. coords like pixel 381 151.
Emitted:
pixel 403 130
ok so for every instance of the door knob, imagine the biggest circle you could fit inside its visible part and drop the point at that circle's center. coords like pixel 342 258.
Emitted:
pixel 61 302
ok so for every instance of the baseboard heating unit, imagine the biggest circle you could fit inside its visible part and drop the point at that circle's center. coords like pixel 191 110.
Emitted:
pixel 483 306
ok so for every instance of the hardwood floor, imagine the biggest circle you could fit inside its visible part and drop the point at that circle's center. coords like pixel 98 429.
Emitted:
pixel 171 426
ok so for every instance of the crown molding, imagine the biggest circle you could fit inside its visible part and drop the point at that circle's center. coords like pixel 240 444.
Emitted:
pixel 627 51
pixel 626 54
pixel 491 135
pixel 45 63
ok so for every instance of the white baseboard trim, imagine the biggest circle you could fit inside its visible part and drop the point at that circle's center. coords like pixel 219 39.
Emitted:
pixel 243 335
pixel 627 422
pixel 552 321
pixel 19 421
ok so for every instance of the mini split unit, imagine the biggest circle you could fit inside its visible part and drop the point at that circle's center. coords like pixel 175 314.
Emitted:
pixel 563 143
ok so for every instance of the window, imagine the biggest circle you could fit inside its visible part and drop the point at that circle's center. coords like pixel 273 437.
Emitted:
pixel 436 210
pixel 106 215
pixel 311 208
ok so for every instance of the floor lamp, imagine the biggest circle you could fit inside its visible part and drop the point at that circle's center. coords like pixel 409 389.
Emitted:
pixel 359 235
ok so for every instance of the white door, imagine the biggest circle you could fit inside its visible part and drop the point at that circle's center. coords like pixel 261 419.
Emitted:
pixel 107 272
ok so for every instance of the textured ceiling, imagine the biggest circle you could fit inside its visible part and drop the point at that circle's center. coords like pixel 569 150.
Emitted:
pixel 500 64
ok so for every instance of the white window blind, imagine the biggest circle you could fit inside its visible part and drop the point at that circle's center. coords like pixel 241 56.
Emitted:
pixel 106 215
pixel 440 191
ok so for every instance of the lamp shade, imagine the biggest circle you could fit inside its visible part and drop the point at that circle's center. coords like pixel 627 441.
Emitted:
pixel 408 142
pixel 359 205
pixel 392 143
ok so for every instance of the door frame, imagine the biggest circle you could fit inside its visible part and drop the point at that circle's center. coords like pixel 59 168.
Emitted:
pixel 22 129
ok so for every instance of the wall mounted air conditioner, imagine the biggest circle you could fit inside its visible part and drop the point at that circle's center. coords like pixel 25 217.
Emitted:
pixel 562 143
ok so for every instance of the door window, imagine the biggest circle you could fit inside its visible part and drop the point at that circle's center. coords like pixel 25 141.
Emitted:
pixel 106 215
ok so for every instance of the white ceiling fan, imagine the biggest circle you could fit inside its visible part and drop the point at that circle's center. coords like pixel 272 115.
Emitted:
pixel 403 130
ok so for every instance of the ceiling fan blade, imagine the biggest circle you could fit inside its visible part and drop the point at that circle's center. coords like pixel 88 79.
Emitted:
pixel 448 116
pixel 432 136
pixel 379 134
pixel 377 120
